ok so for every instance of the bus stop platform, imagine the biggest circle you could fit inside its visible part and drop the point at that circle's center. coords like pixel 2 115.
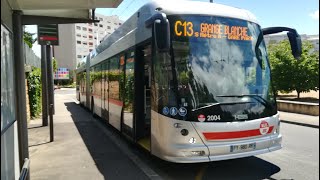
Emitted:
pixel 80 150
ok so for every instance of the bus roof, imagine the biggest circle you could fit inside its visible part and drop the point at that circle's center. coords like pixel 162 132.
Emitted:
pixel 201 8
pixel 133 31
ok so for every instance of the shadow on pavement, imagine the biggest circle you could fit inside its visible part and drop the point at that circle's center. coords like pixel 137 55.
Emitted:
pixel 39 144
pixel 113 164
pixel 35 127
pixel 251 168
pixel 109 159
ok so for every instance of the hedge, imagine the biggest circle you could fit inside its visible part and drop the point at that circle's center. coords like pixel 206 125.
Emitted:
pixel 34 91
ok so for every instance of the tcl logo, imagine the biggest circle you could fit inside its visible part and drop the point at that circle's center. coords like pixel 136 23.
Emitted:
pixel 264 127
pixel 201 117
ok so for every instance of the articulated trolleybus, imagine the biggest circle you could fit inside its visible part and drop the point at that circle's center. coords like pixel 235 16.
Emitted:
pixel 188 81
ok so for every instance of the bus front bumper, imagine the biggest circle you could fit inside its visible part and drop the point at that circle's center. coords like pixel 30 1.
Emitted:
pixel 274 142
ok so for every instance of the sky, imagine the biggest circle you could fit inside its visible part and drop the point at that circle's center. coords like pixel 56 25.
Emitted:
pixel 302 15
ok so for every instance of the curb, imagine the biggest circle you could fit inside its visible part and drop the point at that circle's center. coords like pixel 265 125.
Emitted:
pixel 300 124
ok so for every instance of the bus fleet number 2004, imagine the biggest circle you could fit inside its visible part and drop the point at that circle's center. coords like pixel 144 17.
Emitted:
pixel 213 118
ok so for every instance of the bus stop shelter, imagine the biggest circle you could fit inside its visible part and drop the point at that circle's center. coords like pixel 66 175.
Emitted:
pixel 14 15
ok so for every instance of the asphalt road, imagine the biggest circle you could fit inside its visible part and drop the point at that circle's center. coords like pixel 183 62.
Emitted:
pixel 298 159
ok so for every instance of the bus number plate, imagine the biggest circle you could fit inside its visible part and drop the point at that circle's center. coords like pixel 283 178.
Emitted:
pixel 242 147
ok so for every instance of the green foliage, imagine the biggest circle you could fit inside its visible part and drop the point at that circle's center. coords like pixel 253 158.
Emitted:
pixel 28 39
pixel 289 74
pixel 126 84
pixel 95 76
pixel 184 78
pixel 34 91
pixel 128 92
pixel 54 65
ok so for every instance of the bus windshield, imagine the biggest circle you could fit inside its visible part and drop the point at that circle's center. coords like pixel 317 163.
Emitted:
pixel 220 69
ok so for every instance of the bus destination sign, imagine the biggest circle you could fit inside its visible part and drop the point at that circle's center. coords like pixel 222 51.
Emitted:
pixel 207 30
pixel 48 34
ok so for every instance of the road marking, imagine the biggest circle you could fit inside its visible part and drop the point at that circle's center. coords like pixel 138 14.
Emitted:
pixel 200 174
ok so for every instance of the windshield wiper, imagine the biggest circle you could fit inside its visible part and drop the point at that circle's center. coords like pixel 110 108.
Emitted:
pixel 203 107
pixel 219 103
pixel 255 96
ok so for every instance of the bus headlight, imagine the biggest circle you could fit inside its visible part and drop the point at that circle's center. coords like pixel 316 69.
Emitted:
pixel 192 140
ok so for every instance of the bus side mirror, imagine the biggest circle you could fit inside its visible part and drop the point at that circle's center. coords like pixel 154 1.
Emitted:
pixel 162 35
pixel 294 39
pixel 296 45
pixel 161 31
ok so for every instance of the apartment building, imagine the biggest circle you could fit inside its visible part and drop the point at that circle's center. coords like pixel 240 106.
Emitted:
pixel 77 40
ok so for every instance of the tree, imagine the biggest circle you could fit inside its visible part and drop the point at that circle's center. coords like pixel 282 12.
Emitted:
pixel 289 74
pixel 28 38
pixel 54 65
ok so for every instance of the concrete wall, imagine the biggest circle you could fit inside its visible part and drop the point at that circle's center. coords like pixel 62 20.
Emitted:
pixel 298 107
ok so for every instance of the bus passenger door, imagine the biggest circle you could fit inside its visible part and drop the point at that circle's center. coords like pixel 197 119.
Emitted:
pixel 142 96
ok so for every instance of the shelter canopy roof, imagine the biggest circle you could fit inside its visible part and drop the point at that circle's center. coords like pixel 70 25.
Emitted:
pixel 61 8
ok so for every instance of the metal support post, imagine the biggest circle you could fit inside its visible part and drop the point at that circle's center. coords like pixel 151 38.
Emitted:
pixel 51 122
pixel 44 85
pixel 50 76
pixel 20 88
pixel 50 88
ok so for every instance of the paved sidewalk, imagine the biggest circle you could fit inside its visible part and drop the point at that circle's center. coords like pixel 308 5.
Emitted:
pixel 299 119
pixel 81 150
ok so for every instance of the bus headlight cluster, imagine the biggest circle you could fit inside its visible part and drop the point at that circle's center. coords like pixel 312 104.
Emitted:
pixel 192 140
